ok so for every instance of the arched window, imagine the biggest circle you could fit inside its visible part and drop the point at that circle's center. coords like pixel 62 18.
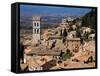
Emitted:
pixel 35 24
pixel 34 30
pixel 37 30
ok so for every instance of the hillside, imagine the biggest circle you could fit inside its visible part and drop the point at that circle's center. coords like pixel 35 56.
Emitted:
pixel 89 19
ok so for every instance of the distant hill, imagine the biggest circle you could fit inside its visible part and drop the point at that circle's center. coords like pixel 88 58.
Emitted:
pixel 89 19
pixel 46 21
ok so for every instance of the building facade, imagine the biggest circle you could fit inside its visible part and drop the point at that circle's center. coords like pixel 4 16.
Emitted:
pixel 36 29
pixel 73 44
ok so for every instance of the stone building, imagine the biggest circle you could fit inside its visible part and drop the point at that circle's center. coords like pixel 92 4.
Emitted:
pixel 73 44
pixel 70 19
pixel 36 29
pixel 64 24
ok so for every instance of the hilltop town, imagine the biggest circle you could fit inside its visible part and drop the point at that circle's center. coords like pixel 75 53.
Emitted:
pixel 69 45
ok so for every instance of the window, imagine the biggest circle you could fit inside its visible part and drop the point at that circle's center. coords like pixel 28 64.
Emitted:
pixel 37 30
pixel 34 30
pixel 37 24
pixel 34 24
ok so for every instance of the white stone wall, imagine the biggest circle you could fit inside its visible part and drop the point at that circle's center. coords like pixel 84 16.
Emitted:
pixel 36 38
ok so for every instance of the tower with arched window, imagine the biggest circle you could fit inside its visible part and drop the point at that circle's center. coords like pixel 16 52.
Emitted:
pixel 36 29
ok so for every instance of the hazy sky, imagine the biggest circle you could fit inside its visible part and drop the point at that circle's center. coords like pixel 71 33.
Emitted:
pixel 51 10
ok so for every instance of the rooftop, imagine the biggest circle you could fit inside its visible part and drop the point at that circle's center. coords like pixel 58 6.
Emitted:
pixel 36 18
pixel 73 39
pixel 43 51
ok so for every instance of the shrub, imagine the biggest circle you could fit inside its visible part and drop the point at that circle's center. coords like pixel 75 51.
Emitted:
pixel 66 55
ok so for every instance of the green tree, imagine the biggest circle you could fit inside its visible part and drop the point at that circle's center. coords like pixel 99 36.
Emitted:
pixel 64 33
pixel 78 34
pixel 61 32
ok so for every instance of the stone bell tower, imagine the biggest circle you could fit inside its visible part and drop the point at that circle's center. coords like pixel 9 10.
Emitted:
pixel 36 29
